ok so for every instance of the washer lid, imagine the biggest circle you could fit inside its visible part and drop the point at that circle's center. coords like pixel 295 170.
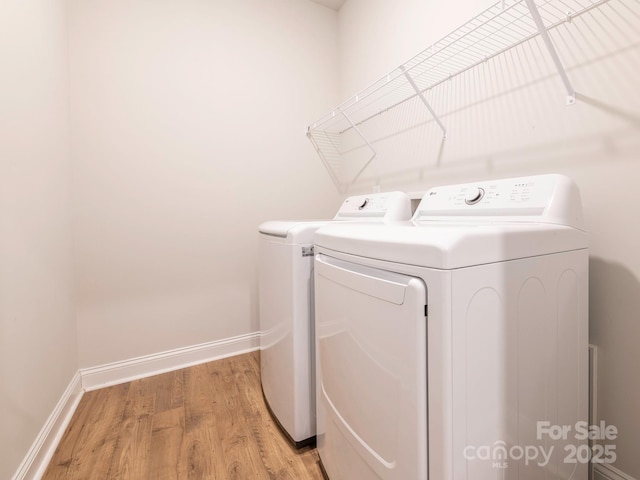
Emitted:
pixel 447 246
pixel 293 231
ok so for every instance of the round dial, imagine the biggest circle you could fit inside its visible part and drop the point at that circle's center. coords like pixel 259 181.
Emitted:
pixel 363 204
pixel 474 195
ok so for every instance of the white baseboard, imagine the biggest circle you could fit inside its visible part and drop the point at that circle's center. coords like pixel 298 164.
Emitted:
pixel 38 456
pixel 136 368
pixel 605 471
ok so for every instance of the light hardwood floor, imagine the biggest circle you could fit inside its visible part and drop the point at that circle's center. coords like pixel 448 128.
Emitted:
pixel 204 422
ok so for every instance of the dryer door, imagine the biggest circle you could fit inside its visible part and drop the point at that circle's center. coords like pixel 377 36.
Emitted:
pixel 371 372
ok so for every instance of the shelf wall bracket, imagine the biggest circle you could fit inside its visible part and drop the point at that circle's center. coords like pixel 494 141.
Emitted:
pixel 364 139
pixel 424 100
pixel 535 14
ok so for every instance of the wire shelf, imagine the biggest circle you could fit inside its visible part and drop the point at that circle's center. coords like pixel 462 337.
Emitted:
pixel 501 27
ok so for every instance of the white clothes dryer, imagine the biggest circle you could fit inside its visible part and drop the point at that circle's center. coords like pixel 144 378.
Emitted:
pixel 287 356
pixel 448 344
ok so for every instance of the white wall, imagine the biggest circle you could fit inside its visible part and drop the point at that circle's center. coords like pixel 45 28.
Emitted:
pixel 378 35
pixel 531 131
pixel 188 123
pixel 38 346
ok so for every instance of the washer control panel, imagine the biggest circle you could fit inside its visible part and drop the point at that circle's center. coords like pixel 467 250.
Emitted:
pixel 554 198
pixel 388 205
pixel 497 194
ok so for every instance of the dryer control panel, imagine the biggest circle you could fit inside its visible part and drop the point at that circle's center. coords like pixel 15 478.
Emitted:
pixel 540 198
pixel 390 206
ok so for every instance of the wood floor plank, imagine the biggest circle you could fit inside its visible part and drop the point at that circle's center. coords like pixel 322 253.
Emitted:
pixel 169 390
pixel 66 452
pixel 203 422
pixel 94 437
pixel 166 437
pixel 242 455
pixel 280 458
pixel 201 452
pixel 132 456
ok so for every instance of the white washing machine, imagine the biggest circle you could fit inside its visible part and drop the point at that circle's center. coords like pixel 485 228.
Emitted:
pixel 445 343
pixel 286 308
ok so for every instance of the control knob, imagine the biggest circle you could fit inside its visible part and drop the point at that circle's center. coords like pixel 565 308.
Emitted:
pixel 474 195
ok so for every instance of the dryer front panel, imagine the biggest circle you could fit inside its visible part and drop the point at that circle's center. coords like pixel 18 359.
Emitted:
pixel 372 380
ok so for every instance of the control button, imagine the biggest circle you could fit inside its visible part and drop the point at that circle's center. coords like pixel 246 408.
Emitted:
pixel 363 204
pixel 474 195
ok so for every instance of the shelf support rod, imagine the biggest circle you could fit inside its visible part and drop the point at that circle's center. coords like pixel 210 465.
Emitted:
pixel 424 100
pixel 325 161
pixel 535 14
pixel 364 139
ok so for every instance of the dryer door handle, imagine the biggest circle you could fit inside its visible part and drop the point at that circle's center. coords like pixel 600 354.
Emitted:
pixel 380 284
